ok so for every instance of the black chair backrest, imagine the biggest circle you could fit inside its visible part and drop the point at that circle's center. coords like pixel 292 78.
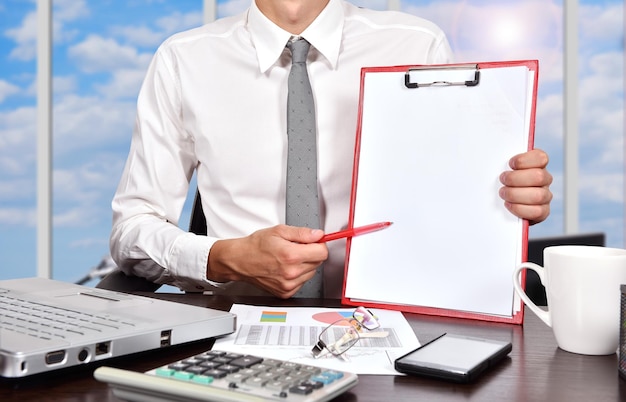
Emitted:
pixel 534 289
pixel 197 222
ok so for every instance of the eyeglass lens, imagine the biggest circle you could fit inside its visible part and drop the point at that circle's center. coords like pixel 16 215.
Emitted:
pixel 365 318
pixel 339 337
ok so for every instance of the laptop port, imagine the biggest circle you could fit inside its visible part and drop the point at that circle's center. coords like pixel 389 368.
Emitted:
pixel 103 348
pixel 55 357
pixel 166 338
pixel 83 355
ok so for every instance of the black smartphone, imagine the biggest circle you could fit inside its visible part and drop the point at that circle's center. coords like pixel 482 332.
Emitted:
pixel 455 358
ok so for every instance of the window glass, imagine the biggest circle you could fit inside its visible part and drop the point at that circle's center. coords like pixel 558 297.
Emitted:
pixel 481 30
pixel 101 53
pixel 18 139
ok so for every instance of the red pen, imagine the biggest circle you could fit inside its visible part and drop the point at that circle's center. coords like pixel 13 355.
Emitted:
pixel 354 231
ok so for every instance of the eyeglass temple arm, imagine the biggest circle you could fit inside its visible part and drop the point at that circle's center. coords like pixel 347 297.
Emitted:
pixel 320 349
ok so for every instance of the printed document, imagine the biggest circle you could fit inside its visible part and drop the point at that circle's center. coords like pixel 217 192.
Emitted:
pixel 289 333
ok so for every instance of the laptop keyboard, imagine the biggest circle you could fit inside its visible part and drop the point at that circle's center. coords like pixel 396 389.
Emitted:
pixel 50 322
pixel 224 376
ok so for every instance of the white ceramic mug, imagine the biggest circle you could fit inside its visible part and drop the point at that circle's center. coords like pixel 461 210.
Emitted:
pixel 583 292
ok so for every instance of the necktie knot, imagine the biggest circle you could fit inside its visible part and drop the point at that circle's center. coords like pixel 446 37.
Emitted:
pixel 299 50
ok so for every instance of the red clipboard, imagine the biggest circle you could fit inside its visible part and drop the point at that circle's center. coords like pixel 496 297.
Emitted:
pixel 431 143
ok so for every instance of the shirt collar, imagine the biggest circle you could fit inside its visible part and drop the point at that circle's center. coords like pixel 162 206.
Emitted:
pixel 324 34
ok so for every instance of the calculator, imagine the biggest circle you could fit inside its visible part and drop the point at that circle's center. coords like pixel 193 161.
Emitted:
pixel 224 376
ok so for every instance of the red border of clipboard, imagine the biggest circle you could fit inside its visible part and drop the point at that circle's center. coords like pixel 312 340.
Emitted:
pixel 517 317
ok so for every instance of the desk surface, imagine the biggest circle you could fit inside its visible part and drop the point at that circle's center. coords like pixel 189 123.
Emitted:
pixel 536 371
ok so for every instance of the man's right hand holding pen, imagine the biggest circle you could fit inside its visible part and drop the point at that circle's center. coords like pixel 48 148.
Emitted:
pixel 279 259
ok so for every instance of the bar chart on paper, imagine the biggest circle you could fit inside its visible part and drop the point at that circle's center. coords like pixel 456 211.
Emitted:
pixel 270 332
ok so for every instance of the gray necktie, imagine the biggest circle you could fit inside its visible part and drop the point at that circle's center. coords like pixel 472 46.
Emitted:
pixel 302 199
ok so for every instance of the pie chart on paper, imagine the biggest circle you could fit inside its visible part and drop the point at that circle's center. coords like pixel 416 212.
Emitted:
pixel 330 317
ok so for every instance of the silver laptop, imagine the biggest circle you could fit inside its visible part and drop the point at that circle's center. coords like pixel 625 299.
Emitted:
pixel 46 325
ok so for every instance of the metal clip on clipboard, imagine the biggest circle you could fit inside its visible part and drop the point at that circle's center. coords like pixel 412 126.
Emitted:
pixel 463 74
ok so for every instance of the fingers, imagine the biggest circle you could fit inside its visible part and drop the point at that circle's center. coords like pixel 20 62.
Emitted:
pixel 278 259
pixel 533 213
pixel 535 158
pixel 531 203
pixel 285 289
pixel 299 234
pixel 526 190
pixel 532 177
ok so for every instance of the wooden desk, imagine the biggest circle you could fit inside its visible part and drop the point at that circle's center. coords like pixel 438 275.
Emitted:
pixel 536 370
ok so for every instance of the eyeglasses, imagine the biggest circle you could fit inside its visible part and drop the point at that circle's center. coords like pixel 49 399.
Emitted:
pixel 341 335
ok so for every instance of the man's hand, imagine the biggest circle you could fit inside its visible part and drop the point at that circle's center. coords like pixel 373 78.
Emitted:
pixel 526 191
pixel 278 259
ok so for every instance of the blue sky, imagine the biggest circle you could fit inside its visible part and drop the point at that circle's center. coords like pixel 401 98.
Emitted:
pixel 102 49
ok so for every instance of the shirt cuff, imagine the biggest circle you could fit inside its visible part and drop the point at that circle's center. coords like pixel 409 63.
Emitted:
pixel 188 264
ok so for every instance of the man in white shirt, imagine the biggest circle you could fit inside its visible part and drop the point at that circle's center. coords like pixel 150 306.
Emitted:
pixel 214 100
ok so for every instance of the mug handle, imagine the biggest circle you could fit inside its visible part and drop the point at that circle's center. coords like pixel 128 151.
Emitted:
pixel 542 314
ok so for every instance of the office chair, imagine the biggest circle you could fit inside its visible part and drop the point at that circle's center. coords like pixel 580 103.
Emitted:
pixel 534 289
pixel 118 281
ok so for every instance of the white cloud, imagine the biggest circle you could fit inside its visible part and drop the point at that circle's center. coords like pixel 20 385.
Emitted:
pixel 602 113
pixel 74 217
pixel 139 35
pixel 550 114
pixel 81 184
pixel 90 242
pixel 125 83
pixel 601 22
pixel 99 54
pixel 7 89
pixel 177 22
pixel 64 84
pixel 88 123
pixel 83 193
pixel 25 36
pixel 144 36
pixel 17 190
pixel 602 186
pixel 70 10
pixel 18 216
pixel 18 133
pixel 232 7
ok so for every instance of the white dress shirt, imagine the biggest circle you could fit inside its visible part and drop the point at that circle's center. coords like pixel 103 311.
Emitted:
pixel 214 101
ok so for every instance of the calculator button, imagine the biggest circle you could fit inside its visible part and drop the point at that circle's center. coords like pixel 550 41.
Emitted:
pixel 216 373
pixel 178 366
pixel 255 376
pixel 210 365
pixel 229 368
pixel 195 370
pixel 256 382
pixel 202 379
pixel 278 385
pixel 313 384
pixel 237 378
pixel 301 389
pixel 165 372
pixel 222 360
pixel 246 361
pixel 183 375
